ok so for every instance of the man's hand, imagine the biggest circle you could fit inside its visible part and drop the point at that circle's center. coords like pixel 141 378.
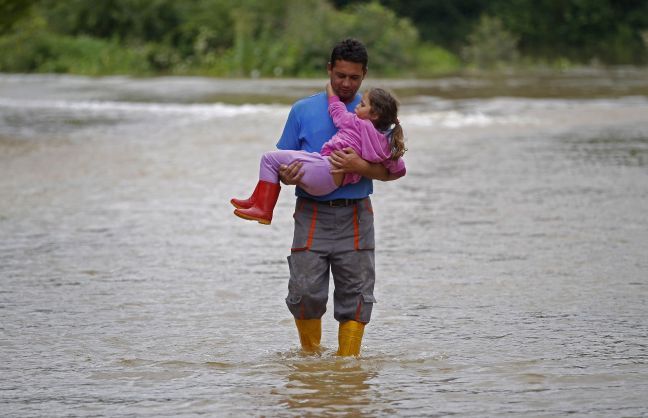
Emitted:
pixel 346 161
pixel 291 174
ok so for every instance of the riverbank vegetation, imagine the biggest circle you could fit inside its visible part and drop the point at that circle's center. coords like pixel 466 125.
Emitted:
pixel 256 38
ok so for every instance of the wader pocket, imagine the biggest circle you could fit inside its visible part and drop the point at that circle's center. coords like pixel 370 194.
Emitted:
pixel 364 224
pixel 365 306
pixel 305 220
pixel 293 302
pixel 368 299
pixel 293 299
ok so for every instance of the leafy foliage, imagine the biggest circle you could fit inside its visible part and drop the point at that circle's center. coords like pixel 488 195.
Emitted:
pixel 608 31
pixel 260 38
pixel 45 52
pixel 12 11
pixel 490 45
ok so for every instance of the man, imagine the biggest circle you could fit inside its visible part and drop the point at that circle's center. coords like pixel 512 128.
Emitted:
pixel 333 233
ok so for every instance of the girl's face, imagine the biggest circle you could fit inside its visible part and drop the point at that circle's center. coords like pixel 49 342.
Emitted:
pixel 363 109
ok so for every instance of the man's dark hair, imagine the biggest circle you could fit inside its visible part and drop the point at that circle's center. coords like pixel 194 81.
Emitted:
pixel 350 50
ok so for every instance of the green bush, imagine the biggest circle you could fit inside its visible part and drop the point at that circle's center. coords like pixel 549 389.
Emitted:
pixel 431 60
pixel 212 37
pixel 294 38
pixel 46 52
pixel 490 45
pixel 392 41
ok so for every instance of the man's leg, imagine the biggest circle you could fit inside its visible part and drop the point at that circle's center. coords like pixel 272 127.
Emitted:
pixel 353 268
pixel 308 294
pixel 354 277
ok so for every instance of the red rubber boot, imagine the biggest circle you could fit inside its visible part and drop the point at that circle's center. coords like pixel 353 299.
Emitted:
pixel 263 203
pixel 245 203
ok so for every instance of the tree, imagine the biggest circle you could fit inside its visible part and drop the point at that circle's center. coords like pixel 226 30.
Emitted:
pixel 490 45
pixel 608 31
pixel 12 11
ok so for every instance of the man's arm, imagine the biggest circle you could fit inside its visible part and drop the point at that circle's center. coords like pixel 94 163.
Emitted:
pixel 347 161
pixel 289 140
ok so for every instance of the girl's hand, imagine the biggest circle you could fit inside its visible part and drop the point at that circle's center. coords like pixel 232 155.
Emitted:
pixel 329 90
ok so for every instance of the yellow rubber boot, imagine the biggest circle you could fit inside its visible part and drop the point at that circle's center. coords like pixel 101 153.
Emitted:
pixel 310 333
pixel 349 338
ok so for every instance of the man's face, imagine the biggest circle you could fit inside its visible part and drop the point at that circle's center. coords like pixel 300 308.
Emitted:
pixel 346 78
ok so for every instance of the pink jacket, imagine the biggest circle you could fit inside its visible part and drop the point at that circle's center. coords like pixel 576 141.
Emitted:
pixel 369 143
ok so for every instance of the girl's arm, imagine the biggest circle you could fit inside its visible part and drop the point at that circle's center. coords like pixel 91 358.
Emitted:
pixel 338 111
pixel 342 118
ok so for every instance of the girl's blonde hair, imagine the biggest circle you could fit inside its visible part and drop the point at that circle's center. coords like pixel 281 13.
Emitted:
pixel 385 106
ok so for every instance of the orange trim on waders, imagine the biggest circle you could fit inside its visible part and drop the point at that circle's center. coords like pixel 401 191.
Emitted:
pixel 358 310
pixel 356 228
pixel 311 232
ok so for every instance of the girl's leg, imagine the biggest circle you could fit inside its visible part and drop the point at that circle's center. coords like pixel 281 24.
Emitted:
pixel 260 204
pixel 317 179
pixel 271 161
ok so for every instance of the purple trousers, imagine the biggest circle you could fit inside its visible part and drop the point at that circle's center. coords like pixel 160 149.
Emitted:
pixel 317 179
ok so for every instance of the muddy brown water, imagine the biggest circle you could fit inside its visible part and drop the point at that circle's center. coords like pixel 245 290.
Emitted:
pixel 512 259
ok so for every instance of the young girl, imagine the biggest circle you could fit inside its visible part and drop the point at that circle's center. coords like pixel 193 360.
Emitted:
pixel 367 131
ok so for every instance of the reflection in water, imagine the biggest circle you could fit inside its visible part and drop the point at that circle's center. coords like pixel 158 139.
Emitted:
pixel 321 386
